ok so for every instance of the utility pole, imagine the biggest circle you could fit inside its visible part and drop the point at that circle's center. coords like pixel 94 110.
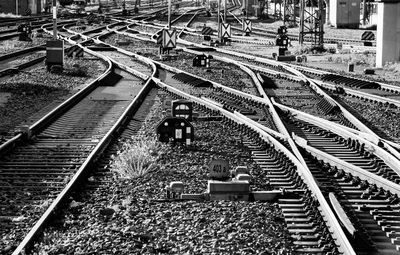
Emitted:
pixel 54 19
pixel 169 14
pixel 364 20
pixel 311 24
pixel 289 13
pixel 247 7
pixel 219 22
pixel 225 11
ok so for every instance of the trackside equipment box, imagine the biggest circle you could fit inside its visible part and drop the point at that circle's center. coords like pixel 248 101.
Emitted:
pixel 54 53
pixel 345 13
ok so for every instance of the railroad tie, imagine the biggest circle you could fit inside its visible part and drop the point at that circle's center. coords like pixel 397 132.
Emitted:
pixel 332 171
pixel 356 180
pixel 339 173
pixel 348 177
pixel 326 106
pixel 394 199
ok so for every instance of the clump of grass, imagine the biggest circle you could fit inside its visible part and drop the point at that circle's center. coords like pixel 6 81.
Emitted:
pixel 301 49
pixel 308 49
pixel 357 59
pixel 11 45
pixel 393 66
pixel 8 15
pixel 73 68
pixel 138 157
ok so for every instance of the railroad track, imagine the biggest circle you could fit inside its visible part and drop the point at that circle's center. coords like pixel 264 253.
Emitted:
pixel 275 65
pixel 53 130
pixel 232 104
pixel 380 168
pixel 257 64
pixel 296 208
pixel 367 90
pixel 272 34
pixel 278 168
pixel 374 91
pixel 309 217
pixel 63 141
pixel 266 36
pixel 37 26
pixel 7 22
pixel 11 63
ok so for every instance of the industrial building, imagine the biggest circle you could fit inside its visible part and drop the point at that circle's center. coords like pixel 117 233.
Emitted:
pixel 22 7
pixel 344 13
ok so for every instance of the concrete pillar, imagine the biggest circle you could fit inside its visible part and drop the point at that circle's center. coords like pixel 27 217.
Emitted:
pixel 388 34
pixel 327 13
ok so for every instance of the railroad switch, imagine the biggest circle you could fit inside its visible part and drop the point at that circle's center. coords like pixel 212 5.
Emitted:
pixel 233 189
pixel 174 190
pixel 25 131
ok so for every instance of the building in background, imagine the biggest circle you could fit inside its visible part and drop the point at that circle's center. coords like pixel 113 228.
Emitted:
pixel 22 7
pixel 345 13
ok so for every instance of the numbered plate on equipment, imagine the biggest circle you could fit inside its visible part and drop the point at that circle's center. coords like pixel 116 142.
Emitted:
pixel 219 168
pixel 169 38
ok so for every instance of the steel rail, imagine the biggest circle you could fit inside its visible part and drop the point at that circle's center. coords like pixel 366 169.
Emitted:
pixel 313 85
pixel 15 21
pixel 82 172
pixel 354 170
pixel 359 94
pixel 384 86
pixel 45 120
pixel 16 68
pixel 387 157
pixel 344 245
pixel 350 117
pixel 333 222
pixel 305 79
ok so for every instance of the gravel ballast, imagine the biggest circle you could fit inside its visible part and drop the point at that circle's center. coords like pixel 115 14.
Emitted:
pixel 32 93
pixel 12 45
pixel 125 216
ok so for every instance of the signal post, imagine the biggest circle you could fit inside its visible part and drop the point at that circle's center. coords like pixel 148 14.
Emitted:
pixel 55 47
pixel 388 32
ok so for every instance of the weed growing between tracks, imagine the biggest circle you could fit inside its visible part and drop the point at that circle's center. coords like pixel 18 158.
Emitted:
pixel 75 68
pixel 393 66
pixel 119 216
pixel 138 157
pixel 139 154
pixel 11 45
